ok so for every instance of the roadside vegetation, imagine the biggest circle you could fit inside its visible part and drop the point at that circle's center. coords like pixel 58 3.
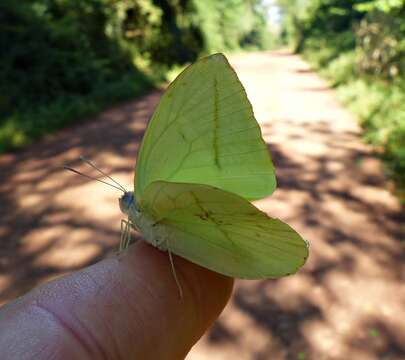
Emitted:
pixel 359 46
pixel 64 60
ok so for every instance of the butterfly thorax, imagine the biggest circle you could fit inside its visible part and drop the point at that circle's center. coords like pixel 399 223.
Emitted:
pixel 151 229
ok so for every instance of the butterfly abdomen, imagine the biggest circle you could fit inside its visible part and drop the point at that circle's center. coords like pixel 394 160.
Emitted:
pixel 153 232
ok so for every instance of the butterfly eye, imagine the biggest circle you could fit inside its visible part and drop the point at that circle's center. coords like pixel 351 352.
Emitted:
pixel 126 201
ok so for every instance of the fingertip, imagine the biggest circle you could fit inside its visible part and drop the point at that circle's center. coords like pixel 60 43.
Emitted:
pixel 125 306
pixel 205 293
pixel 208 291
pixel 174 323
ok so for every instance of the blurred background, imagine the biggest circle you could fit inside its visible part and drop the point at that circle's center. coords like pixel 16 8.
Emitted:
pixel 326 80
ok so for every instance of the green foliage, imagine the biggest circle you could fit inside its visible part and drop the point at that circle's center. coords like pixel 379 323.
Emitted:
pixel 66 59
pixel 381 44
pixel 53 50
pixel 231 24
pixel 318 19
pixel 24 125
pixel 322 51
pixel 381 110
pixel 342 69
pixel 162 31
pixel 382 5
pixel 359 46
pixel 58 66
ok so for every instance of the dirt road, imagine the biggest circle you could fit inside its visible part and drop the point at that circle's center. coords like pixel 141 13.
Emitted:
pixel 349 300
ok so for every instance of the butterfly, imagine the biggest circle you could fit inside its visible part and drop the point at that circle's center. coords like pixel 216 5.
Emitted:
pixel 201 161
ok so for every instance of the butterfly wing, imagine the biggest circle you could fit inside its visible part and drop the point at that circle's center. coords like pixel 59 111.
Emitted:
pixel 204 131
pixel 222 231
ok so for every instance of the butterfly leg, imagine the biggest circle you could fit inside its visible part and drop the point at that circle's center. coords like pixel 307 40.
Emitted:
pixel 125 235
pixel 174 270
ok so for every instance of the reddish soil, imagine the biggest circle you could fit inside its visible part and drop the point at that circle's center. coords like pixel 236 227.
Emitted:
pixel 348 302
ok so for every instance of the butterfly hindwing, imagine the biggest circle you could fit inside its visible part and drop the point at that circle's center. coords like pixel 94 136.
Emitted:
pixel 222 231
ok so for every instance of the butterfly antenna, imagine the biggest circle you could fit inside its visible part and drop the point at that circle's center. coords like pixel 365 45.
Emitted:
pixel 102 172
pixel 93 178
pixel 174 270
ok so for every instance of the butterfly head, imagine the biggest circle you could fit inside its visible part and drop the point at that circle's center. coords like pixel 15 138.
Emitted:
pixel 126 201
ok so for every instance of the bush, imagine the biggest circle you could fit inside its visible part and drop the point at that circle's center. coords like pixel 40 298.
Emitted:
pixel 381 45
pixel 66 59
pixel 341 69
pixel 380 107
pixel 59 66
pixel 25 125
pixel 360 48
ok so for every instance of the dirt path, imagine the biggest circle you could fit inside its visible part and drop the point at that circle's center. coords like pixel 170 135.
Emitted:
pixel 349 300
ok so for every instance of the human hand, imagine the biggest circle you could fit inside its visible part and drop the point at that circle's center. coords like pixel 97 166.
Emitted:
pixel 124 307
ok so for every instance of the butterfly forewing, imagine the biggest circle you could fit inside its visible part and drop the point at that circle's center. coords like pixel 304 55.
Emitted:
pixel 204 131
